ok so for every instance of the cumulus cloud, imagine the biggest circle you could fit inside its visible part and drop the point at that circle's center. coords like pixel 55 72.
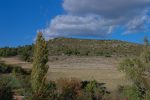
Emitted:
pixel 138 24
pixel 78 26
pixel 100 18
pixel 106 8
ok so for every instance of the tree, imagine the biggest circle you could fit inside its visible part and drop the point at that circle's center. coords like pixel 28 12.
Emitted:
pixel 39 69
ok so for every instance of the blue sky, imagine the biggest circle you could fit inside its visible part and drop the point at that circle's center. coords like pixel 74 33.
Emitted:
pixel 21 19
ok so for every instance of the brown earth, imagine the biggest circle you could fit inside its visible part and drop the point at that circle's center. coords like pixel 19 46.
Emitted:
pixel 101 69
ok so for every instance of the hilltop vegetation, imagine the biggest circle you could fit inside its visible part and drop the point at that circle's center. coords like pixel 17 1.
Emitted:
pixel 85 47
pixel 77 47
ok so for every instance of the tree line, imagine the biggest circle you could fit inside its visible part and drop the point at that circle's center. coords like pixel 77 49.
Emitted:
pixel 24 52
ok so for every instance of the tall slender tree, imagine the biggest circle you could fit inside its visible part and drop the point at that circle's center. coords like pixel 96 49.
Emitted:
pixel 39 69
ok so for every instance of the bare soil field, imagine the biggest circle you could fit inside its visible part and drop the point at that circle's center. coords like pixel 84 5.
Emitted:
pixel 101 69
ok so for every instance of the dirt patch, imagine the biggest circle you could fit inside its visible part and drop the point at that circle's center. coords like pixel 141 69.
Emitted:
pixel 101 69
pixel 16 61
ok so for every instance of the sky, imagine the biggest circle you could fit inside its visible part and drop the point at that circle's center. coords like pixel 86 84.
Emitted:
pixel 20 20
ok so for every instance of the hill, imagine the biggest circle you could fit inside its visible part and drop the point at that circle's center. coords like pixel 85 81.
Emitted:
pixel 78 47
pixel 85 47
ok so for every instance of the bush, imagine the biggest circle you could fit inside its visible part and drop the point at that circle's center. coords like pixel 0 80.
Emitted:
pixel 4 68
pixel 26 52
pixel 103 53
pixel 74 89
pixel 5 90
pixel 17 70
pixel 100 53
pixel 70 51
pixel 95 90
pixel 129 93
pixel 50 92
pixel 69 89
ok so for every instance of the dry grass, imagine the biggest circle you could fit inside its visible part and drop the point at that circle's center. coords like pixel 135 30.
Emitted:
pixel 16 61
pixel 86 68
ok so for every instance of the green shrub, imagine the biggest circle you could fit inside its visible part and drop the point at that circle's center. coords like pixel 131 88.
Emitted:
pixel 70 51
pixel 74 89
pixel 26 52
pixel 50 91
pixel 129 93
pixel 100 53
pixel 5 90
pixel 4 68
pixel 95 90
pixel 17 70
pixel 107 54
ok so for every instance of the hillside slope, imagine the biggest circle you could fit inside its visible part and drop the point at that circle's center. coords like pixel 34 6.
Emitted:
pixel 70 46
pixel 78 47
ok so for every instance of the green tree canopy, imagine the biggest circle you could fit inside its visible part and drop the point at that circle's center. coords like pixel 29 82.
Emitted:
pixel 39 69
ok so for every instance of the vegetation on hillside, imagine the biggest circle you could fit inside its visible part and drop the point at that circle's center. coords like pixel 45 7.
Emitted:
pixel 83 47
pixel 77 47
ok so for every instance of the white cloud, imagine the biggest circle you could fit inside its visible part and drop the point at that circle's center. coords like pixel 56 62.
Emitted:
pixel 106 8
pixel 99 18
pixel 138 24
pixel 78 26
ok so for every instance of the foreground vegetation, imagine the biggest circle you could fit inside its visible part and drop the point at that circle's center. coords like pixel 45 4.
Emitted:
pixel 138 70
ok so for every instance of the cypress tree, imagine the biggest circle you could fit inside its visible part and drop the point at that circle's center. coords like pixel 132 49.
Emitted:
pixel 39 69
